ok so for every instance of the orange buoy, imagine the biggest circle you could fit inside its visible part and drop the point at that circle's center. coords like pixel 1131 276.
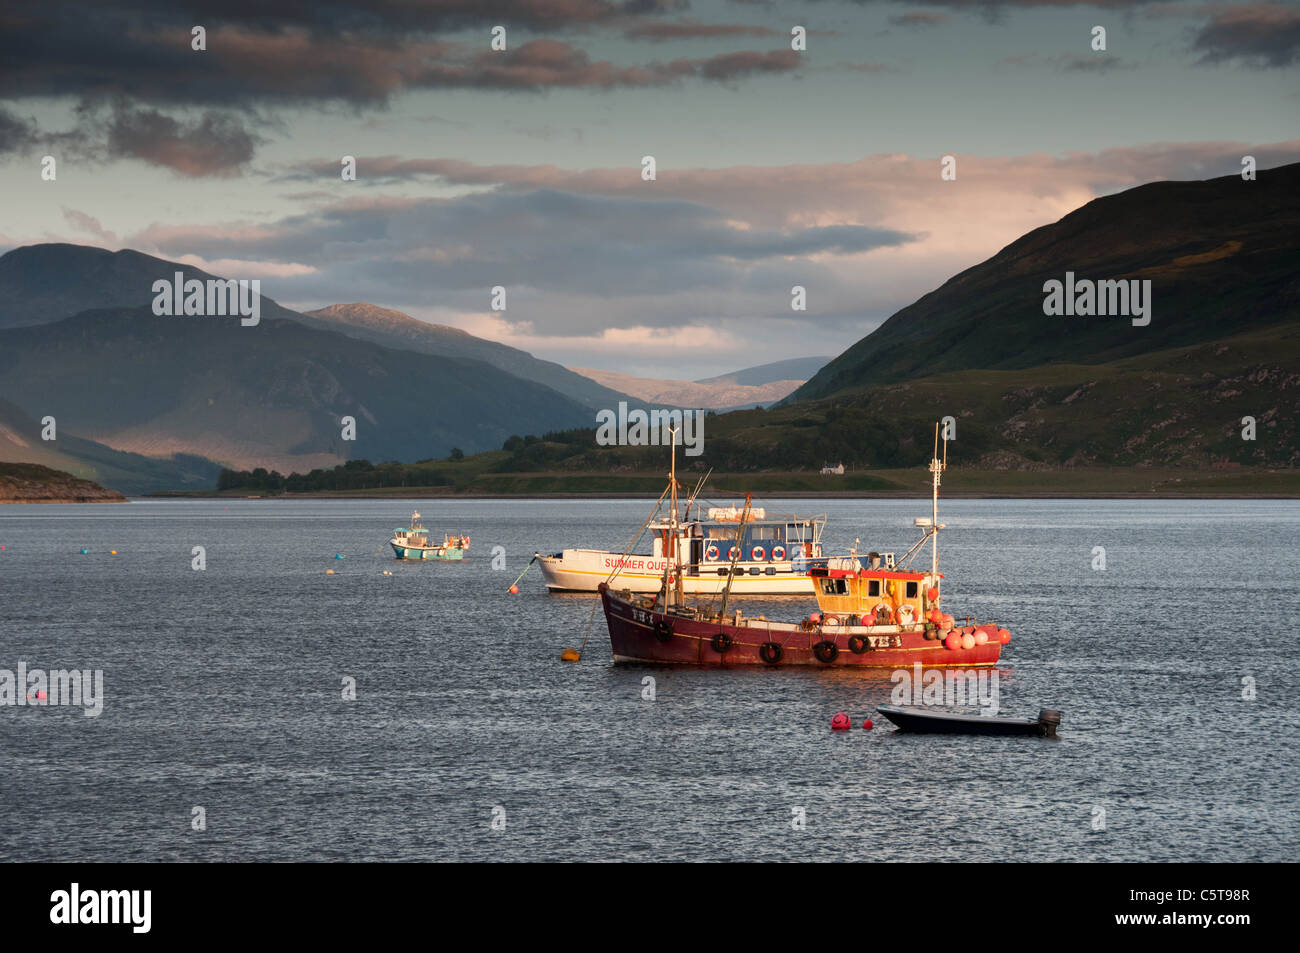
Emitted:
pixel 932 595
pixel 514 590
pixel 1004 636
pixel 953 641
pixel 569 655
pixel 841 722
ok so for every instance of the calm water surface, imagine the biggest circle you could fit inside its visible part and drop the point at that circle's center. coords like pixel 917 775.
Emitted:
pixel 224 690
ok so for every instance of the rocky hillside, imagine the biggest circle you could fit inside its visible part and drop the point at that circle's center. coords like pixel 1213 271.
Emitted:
pixel 32 483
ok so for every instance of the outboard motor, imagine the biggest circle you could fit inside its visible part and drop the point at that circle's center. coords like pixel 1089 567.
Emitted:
pixel 1049 719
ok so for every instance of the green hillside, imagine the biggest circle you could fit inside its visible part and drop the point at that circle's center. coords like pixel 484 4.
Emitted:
pixel 1223 257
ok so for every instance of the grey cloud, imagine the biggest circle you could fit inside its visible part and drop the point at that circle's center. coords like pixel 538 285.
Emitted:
pixel 210 145
pixel 16 133
pixel 1261 35
pixel 446 252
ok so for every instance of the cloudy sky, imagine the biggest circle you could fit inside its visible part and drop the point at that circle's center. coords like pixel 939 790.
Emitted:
pixel 523 167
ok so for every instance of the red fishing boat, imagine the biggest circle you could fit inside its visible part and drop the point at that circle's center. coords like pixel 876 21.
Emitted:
pixel 874 613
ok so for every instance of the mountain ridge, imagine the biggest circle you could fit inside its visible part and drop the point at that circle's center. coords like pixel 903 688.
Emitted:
pixel 397 329
pixel 1220 254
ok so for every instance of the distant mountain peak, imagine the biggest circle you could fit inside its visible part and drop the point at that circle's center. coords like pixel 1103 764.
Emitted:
pixel 365 313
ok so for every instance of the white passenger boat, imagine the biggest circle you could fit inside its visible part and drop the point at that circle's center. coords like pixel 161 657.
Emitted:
pixel 772 556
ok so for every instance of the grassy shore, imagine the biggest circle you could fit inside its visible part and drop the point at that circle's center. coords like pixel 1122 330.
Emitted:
pixel 469 480
pixel 33 483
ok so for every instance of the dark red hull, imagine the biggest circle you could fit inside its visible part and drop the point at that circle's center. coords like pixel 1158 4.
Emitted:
pixel 638 634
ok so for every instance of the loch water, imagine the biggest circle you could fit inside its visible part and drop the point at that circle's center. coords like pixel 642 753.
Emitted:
pixel 1175 668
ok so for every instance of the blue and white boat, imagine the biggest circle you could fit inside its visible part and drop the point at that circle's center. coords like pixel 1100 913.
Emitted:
pixel 412 542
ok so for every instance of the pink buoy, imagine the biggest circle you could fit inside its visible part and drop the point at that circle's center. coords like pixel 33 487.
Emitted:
pixel 968 641
pixel 815 618
pixel 981 637
pixel 948 621
pixel 953 641
pixel 867 725
pixel 841 722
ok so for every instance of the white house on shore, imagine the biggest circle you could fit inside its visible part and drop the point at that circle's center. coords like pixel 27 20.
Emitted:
pixel 837 470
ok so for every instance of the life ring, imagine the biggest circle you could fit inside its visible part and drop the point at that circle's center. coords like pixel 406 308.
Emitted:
pixel 721 642
pixel 733 552
pixel 711 552
pixel 858 644
pixel 829 619
pixel 663 630
pixel 826 651
pixel 778 552
pixel 756 553
pixel 882 608
pixel 906 610
pixel 771 653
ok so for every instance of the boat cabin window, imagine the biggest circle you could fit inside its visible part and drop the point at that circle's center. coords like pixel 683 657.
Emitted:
pixel 912 589
pixel 834 587
pixel 873 588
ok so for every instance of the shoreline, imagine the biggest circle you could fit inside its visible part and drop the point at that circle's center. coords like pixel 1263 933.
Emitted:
pixel 772 494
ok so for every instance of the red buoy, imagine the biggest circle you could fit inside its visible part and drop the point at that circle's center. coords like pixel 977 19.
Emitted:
pixel 514 590
pixel 841 722
pixel 1004 636
pixel 932 594
pixel 867 725
pixel 953 641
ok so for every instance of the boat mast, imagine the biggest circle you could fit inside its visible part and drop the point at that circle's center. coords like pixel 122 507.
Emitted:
pixel 673 594
pixel 936 468
pixel 731 572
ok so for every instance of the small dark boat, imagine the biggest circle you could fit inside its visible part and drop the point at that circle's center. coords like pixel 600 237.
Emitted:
pixel 919 719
